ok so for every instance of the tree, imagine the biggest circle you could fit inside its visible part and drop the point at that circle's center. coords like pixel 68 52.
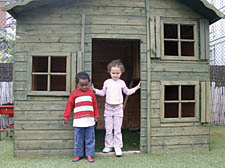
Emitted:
pixel 8 40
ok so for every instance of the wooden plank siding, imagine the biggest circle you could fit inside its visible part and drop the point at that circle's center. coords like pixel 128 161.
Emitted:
pixel 38 127
pixel 70 27
pixel 174 137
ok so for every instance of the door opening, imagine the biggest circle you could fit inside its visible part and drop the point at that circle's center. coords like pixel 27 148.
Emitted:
pixel 128 51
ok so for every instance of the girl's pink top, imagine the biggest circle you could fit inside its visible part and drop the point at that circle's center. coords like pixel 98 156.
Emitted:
pixel 113 91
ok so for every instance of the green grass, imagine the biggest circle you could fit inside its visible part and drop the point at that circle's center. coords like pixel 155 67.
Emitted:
pixel 213 159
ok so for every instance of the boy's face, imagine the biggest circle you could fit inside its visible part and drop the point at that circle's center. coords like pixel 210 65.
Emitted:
pixel 83 84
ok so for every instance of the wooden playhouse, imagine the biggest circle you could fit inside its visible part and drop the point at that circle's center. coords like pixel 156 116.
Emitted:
pixel 163 43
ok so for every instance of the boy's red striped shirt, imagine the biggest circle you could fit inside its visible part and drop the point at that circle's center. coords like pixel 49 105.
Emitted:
pixel 83 104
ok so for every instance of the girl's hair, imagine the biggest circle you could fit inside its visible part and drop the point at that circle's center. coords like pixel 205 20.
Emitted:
pixel 115 63
pixel 82 75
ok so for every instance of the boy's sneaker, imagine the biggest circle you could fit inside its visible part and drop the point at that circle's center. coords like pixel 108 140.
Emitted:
pixel 118 152
pixel 90 159
pixel 107 150
pixel 76 159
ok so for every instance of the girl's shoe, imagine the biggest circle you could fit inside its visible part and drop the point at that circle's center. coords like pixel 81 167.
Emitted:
pixel 76 159
pixel 107 150
pixel 118 152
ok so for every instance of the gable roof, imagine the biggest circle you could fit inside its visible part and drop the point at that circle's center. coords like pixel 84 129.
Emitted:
pixel 202 7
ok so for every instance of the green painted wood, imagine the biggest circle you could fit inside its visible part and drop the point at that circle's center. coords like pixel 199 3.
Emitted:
pixel 48 47
pixel 155 86
pixel 117 20
pixel 43 153
pixel 180 131
pixel 208 102
pixel 42 18
pixel 158 36
pixel 32 115
pixel 46 29
pixel 100 10
pixel 20 86
pixel 180 148
pixel 180 67
pixel 155 103
pixel 110 3
pixel 152 37
pixel 203 102
pixel 43 125
pixel 20 66
pixel 44 135
pixel 207 42
pixel 155 95
pixel 180 140
pixel 118 29
pixel 44 144
pixel 49 38
pixel 168 4
pixel 143 85
pixel 89 37
pixel 175 13
pixel 19 76
pixel 202 39
pixel 155 112
pixel 19 95
pixel 177 76
pixel 40 105
pixel 20 57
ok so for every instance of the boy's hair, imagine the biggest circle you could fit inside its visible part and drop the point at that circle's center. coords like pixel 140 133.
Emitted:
pixel 82 75
pixel 116 63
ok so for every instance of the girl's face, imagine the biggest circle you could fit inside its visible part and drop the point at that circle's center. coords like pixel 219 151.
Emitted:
pixel 115 73
pixel 83 84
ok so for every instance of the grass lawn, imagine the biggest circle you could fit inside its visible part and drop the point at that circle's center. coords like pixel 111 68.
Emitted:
pixel 214 159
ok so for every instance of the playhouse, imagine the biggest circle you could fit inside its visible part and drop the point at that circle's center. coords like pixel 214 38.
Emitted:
pixel 163 43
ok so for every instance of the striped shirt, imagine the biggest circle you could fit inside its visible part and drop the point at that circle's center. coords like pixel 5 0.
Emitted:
pixel 83 105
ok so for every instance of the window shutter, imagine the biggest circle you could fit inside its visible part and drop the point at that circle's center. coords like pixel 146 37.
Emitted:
pixel 204 39
pixel 158 37
pixel 205 102
pixel 152 37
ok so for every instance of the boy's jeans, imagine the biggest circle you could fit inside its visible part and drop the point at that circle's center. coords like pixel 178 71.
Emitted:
pixel 84 139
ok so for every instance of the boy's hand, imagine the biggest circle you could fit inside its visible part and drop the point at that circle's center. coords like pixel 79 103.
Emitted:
pixel 65 122
pixel 138 86
pixel 93 87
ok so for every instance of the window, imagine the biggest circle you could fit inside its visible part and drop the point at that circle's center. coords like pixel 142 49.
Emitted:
pixel 49 74
pixel 180 101
pixel 179 40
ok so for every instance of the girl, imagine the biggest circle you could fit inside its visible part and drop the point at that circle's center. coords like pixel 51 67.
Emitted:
pixel 113 113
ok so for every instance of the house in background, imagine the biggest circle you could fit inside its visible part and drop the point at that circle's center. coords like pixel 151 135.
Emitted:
pixel 163 43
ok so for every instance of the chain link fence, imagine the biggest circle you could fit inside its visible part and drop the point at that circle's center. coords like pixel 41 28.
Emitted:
pixel 217 66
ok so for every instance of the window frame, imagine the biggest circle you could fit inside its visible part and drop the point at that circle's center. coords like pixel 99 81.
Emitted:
pixel 48 92
pixel 180 119
pixel 180 22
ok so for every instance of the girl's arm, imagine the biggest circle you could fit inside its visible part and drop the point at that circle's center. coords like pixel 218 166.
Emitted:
pixel 99 92
pixel 132 90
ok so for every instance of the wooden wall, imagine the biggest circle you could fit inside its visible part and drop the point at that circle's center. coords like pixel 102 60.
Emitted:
pixel 175 137
pixel 69 26
pixel 64 26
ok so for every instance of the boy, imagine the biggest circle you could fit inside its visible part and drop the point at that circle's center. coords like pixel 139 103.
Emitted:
pixel 84 104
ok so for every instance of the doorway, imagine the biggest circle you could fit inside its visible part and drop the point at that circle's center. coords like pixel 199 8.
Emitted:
pixel 128 51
